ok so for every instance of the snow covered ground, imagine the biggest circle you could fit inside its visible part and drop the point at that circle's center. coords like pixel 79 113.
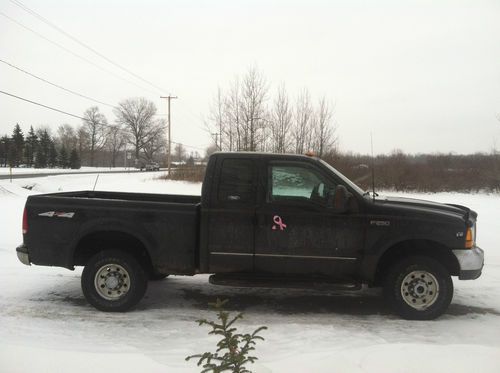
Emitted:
pixel 47 326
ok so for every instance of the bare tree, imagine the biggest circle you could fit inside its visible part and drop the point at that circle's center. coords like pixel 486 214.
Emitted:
pixel 303 120
pixel 180 152
pixel 253 97
pixel 156 140
pixel 224 122
pixel 233 118
pixel 82 141
pixel 116 141
pixel 96 125
pixel 217 118
pixel 239 119
pixel 221 116
pixel 281 121
pixel 325 128
pixel 67 136
pixel 136 115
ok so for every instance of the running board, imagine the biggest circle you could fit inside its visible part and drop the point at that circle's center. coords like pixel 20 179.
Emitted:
pixel 244 280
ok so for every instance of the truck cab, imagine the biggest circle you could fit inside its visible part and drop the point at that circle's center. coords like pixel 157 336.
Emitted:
pixel 283 215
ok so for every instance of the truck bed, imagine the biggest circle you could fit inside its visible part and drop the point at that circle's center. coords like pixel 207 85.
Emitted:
pixel 123 196
pixel 166 225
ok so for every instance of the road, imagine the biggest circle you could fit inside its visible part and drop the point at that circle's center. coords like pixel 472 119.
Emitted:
pixel 25 176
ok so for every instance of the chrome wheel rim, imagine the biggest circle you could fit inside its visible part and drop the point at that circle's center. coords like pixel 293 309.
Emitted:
pixel 112 282
pixel 420 289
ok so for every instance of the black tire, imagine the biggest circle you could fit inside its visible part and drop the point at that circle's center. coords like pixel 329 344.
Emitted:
pixel 113 281
pixel 418 288
pixel 157 276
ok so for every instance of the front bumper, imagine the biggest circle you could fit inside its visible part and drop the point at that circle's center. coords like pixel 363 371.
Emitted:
pixel 471 262
pixel 23 254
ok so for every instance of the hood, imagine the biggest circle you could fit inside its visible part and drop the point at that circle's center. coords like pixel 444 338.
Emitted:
pixel 423 206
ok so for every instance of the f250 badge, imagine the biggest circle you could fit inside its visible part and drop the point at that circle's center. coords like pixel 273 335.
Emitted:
pixel 380 223
pixel 57 214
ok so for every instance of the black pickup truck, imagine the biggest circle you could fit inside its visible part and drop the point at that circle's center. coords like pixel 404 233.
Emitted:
pixel 266 220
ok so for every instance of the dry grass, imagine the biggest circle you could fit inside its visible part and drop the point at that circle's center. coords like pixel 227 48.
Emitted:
pixel 423 173
pixel 193 174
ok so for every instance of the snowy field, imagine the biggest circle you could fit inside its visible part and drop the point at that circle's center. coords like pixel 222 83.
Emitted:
pixel 47 326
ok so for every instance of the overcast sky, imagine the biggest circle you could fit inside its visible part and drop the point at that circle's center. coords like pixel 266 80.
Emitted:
pixel 423 76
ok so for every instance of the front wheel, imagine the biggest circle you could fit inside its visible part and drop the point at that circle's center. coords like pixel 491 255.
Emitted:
pixel 419 288
pixel 113 281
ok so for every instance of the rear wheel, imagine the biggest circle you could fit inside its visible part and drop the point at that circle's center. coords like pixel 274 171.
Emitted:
pixel 113 281
pixel 419 288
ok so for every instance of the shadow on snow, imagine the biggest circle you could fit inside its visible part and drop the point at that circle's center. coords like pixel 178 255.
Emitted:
pixel 177 293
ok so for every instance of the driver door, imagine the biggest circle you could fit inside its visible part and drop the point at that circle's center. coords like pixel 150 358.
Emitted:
pixel 297 226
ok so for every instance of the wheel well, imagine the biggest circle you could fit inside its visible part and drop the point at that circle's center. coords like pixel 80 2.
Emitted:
pixel 106 240
pixel 416 247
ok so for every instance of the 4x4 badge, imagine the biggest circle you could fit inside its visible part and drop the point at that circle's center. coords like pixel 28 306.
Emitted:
pixel 57 214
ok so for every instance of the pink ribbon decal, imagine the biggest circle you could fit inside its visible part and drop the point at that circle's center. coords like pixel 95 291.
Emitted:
pixel 278 223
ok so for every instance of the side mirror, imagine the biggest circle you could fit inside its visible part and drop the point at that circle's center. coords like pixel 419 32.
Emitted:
pixel 340 199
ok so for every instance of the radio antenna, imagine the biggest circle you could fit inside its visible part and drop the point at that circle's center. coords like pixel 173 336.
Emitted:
pixel 97 178
pixel 373 167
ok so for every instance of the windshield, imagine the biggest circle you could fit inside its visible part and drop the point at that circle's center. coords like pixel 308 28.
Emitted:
pixel 343 178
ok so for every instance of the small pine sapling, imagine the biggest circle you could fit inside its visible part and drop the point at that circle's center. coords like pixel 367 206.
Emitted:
pixel 233 348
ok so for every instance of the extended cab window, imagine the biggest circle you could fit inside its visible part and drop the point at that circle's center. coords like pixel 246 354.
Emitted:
pixel 298 183
pixel 236 180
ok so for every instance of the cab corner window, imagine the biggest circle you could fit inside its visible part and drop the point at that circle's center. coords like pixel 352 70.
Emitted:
pixel 236 181
pixel 298 183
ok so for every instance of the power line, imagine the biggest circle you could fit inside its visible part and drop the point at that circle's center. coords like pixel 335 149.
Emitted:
pixel 46 21
pixel 188 146
pixel 75 54
pixel 80 57
pixel 42 105
pixel 74 115
pixel 56 85
pixel 85 45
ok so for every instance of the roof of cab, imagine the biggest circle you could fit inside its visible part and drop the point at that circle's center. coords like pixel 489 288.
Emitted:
pixel 264 155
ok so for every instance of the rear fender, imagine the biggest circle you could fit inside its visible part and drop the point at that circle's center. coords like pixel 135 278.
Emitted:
pixel 110 225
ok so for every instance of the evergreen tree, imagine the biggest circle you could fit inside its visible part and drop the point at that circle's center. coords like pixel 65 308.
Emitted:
pixel 17 146
pixel 11 155
pixel 63 160
pixel 30 147
pixel 233 349
pixel 52 160
pixel 43 150
pixel 4 151
pixel 40 159
pixel 74 160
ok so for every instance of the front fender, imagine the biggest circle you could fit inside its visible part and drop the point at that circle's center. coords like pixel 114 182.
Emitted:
pixel 377 249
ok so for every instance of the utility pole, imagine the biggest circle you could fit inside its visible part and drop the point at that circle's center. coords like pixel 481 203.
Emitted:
pixel 169 130
pixel 217 140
